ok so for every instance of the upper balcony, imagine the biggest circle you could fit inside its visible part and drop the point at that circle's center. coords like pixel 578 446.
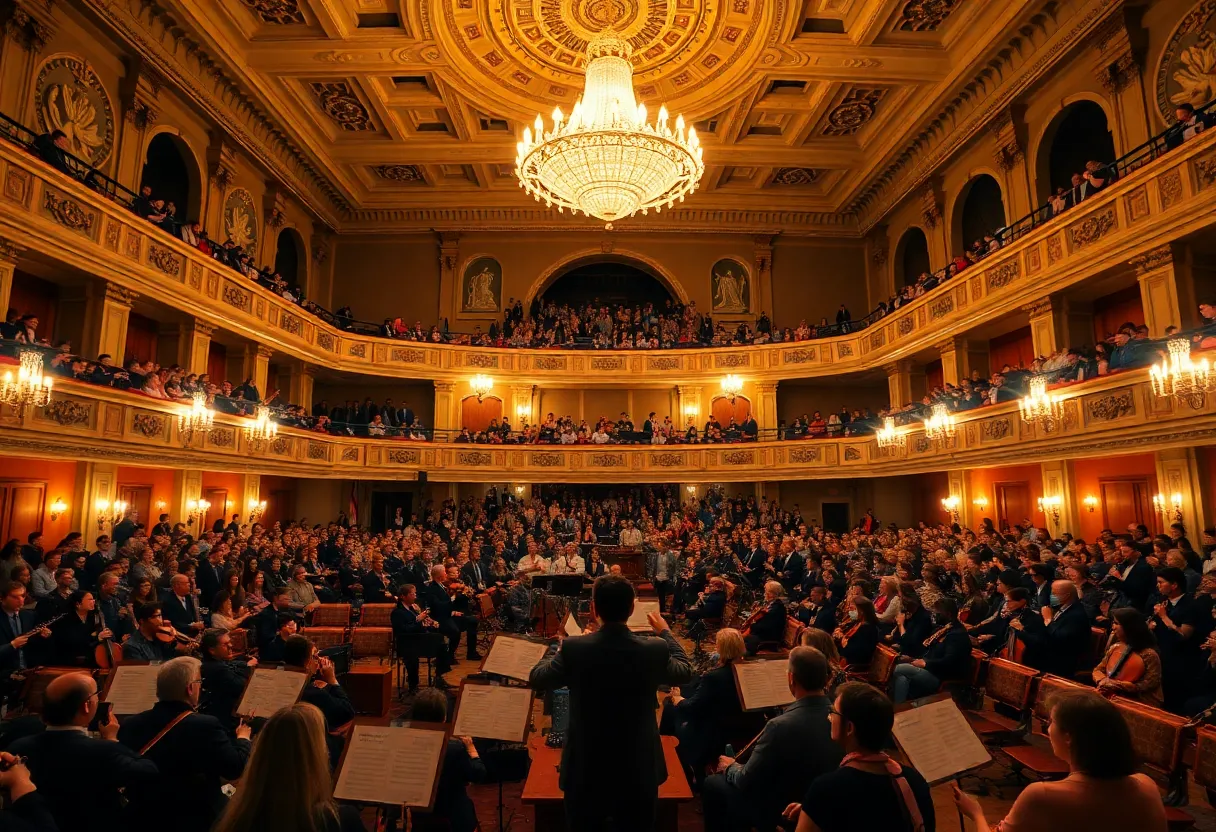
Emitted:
pixel 61 223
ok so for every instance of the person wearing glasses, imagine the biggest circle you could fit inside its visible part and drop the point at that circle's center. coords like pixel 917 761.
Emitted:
pixel 193 751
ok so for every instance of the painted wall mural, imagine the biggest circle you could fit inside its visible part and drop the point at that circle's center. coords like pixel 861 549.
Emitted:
pixel 241 220
pixel 1187 73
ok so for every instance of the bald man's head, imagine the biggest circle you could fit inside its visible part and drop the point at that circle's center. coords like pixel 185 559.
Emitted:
pixel 69 700
pixel 1065 591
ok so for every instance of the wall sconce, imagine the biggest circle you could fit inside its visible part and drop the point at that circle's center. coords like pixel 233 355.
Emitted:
pixel 256 509
pixel 523 412
pixel 196 510
pixel 980 502
pixel 1091 503
pixel 691 411
pixel 481 385
pixel 1051 506
pixel 161 505
pixel 58 507
pixel 950 505
pixel 109 513
pixel 732 386
pixel 519 491
pixel 1171 511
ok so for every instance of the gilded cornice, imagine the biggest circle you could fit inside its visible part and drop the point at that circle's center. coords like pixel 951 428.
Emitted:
pixel 1110 415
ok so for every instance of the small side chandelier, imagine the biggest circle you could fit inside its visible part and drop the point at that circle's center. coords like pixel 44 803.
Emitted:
pixel 939 427
pixel 257 509
pixel 196 418
pixel 981 503
pixel 950 506
pixel 1050 506
pixel 890 438
pixel 196 510
pixel 1041 407
pixel 481 386
pixel 30 387
pixel 58 507
pixel 732 387
pixel 1171 510
pixel 263 429
pixel 1180 377
pixel 607 160
pixel 109 513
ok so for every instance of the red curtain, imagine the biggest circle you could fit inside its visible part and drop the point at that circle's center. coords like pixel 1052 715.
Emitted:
pixel 217 363
pixel 1116 309
pixel 476 415
pixel 34 296
pixel 1013 348
pixel 141 339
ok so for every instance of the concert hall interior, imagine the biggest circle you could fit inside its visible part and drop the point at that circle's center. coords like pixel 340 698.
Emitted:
pixel 719 415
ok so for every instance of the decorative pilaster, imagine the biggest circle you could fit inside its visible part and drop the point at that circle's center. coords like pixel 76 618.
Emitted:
pixel 320 276
pixel 221 175
pixel 138 95
pixel 1059 480
pixel 1179 472
pixel 1167 288
pixel 522 405
pixel 107 312
pixel 251 490
pixel 879 278
pixel 274 217
pixel 187 486
pixel 766 411
pixel 1118 58
pixel 28 28
pixel 762 273
pixel 194 345
pixel 689 404
pixel 94 481
pixel 958 482
pixel 447 417
pixel 1009 139
pixel 10 253
pixel 300 385
pixel 1045 325
pixel 899 382
pixel 449 281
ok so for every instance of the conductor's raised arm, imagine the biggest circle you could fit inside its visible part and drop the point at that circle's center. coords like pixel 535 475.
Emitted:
pixel 679 668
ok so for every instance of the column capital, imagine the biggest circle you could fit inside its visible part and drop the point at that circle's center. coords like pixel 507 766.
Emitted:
pixel 30 25
pixel 120 294
pixel 1153 260
pixel 10 252
pixel 202 328
pixel 445 387
pixel 1008 131
pixel 951 345
pixel 263 351
pixel 1039 308
pixel 221 160
pixel 1116 62
pixel 766 386
pixel 897 367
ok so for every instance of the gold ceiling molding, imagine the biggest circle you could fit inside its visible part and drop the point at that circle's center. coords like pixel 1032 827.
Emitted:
pixel 177 55
pixel 923 15
pixel 1048 36
pixel 281 12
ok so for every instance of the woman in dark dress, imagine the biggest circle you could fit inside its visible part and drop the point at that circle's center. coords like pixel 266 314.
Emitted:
pixel 74 637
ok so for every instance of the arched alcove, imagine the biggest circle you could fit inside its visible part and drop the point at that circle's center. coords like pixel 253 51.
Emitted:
pixel 979 210
pixel 1077 134
pixel 173 175
pixel 289 260
pixel 644 265
pixel 610 282
pixel 911 257
pixel 476 415
pixel 723 409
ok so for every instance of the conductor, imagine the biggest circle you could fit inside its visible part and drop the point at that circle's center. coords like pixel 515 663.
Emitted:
pixel 612 763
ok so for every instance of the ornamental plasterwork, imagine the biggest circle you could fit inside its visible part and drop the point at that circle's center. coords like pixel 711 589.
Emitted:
pixel 281 12
pixel 71 98
pixel 854 112
pixel 338 100
pixel 1186 71
pixel 925 15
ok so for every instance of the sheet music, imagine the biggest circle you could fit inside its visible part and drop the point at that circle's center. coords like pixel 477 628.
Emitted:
pixel 637 622
pixel 271 690
pixel 764 684
pixel 493 712
pixel 394 766
pixel 513 658
pixel 133 690
pixel 571 627
pixel 939 741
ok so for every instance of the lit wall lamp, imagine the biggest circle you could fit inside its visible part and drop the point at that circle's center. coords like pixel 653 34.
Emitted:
pixel 109 513
pixel 257 508
pixel 161 505
pixel 950 505
pixel 58 507
pixel 1050 506
pixel 481 385
pixel 980 502
pixel 523 412
pixel 1171 510
pixel 732 386
pixel 1091 503
pixel 691 411
pixel 519 491
pixel 196 510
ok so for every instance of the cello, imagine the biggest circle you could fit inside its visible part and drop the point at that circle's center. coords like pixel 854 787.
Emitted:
pixel 1125 666
pixel 108 653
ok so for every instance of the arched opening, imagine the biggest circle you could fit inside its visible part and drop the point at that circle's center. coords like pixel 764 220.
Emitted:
pixel 289 256
pixel 607 281
pixel 171 173
pixel 980 211
pixel 477 415
pixel 911 257
pixel 1078 134
pixel 723 409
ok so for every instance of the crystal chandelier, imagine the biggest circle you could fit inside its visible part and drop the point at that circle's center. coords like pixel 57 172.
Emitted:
pixel 1180 377
pixel 606 160
pixel 481 385
pixel 732 387
pixel 889 437
pixel 1041 407
pixel 939 427
pixel 263 429
pixel 29 388
pixel 198 417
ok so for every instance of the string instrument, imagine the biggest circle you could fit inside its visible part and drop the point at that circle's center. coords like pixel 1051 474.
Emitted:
pixel 167 634
pixel 107 653
pixel 1126 666
pixel 1014 649
pixel 756 615
pixel 852 631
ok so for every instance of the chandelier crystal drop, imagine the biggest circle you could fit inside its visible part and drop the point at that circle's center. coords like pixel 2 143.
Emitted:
pixel 606 160
pixel 263 429
pixel 1041 407
pixel 30 387
pixel 890 437
pixel 197 417
pixel 939 427
pixel 1180 377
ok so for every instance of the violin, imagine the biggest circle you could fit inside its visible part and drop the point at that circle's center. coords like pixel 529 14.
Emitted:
pixel 756 615
pixel 166 633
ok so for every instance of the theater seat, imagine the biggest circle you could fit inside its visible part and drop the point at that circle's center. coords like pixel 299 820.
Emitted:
pixel 1010 684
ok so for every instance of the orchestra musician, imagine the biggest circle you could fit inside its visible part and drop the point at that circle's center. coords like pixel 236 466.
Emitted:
pixel 224 676
pixel 463 612
pixel 858 639
pixel 1131 666
pixel 946 654
pixel 767 625
pixel 417 634
pixel 701 720
pixel 17 628
pixel 74 636
pixel 1020 643
pixel 179 608
pixel 711 603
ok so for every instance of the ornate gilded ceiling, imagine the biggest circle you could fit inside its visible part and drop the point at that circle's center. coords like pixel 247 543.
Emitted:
pixel 411 108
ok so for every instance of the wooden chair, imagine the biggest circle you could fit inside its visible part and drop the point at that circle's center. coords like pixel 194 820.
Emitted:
pixel 1204 767
pixel 33 691
pixel 323 637
pixel 1034 758
pixel 1008 683
pixel 376 615
pixel 789 638
pixel 239 638
pixel 372 643
pixel 331 615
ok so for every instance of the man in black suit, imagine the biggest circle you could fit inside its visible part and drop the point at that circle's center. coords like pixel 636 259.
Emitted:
pixel 790 753
pixel 80 776
pixel 1133 577
pixel 17 628
pixel 416 636
pixel 209 575
pixel 1177 622
pixel 162 527
pixel 224 679
pixel 612 763
pixel 790 567
pixel 193 752
pixel 405 416
pixel 1064 644
pixel 178 607
pixel 1041 576
pixel 435 600
pixel 474 574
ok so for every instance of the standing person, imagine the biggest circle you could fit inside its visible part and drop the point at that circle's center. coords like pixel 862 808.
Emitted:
pixel 869 790
pixel 1103 791
pixel 612 763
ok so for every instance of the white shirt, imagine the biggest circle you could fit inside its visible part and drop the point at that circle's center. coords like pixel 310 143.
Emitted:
pixel 631 537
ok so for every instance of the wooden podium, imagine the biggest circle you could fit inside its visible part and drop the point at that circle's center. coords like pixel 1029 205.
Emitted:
pixel 631 560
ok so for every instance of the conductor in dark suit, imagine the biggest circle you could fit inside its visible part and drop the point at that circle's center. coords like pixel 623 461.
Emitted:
pixel 612 763
pixel 790 753
pixel 80 776
pixel 193 752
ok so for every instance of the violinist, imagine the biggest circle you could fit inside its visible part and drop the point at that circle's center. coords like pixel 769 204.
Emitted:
pixel 1131 667
pixel 416 634
pixel 224 678
pixel 463 614
pixel 153 640
pixel 74 637
pixel 436 600
pixel 767 625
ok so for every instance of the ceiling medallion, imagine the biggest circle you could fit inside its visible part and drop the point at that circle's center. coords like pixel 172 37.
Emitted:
pixel 607 160
pixel 925 15
pixel 399 173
